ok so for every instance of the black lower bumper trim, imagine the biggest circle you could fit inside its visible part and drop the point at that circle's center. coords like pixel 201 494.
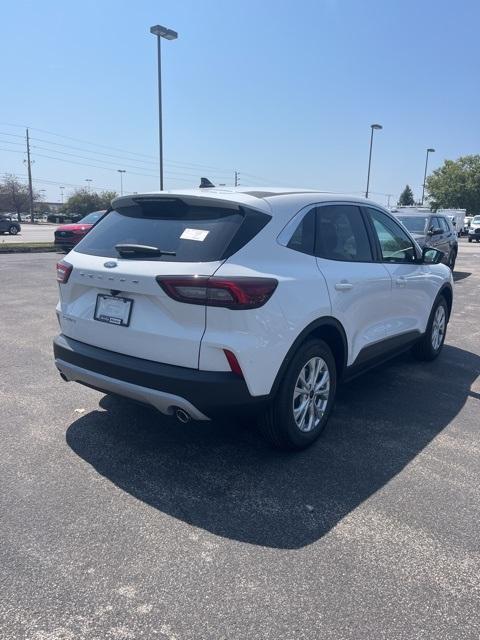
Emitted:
pixel 212 392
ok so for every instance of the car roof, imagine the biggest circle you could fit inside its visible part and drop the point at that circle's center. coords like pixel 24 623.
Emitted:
pixel 266 198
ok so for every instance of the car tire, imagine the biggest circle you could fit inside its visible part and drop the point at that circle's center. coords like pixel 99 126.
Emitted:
pixel 430 344
pixel 452 259
pixel 13 230
pixel 469 239
pixel 313 366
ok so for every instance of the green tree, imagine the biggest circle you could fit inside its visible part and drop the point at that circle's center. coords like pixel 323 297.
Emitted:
pixel 14 196
pixel 406 197
pixel 456 184
pixel 83 201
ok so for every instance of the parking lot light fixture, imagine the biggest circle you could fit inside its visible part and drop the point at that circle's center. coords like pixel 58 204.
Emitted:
pixel 430 150
pixel 121 172
pixel 168 34
pixel 373 128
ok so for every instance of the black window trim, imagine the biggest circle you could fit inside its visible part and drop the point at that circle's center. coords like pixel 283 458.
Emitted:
pixel 377 241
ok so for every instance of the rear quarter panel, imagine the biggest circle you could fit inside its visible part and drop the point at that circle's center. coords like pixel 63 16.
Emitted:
pixel 260 338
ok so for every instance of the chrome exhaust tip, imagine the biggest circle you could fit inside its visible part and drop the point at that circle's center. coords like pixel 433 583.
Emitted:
pixel 182 416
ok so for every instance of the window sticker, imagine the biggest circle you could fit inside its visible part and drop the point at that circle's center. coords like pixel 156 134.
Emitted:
pixel 194 234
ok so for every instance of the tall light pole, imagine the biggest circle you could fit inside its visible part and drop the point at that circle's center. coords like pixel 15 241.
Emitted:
pixel 121 172
pixel 89 184
pixel 373 127
pixel 168 34
pixel 61 191
pixel 425 174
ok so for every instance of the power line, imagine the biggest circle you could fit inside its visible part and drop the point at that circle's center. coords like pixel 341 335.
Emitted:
pixel 103 146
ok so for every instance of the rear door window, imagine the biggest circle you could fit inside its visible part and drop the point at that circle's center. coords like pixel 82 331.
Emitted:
pixel 341 234
pixel 193 233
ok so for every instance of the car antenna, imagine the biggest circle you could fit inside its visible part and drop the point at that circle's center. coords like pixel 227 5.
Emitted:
pixel 205 183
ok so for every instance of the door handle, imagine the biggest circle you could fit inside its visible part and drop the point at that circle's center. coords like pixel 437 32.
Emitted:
pixel 401 281
pixel 343 286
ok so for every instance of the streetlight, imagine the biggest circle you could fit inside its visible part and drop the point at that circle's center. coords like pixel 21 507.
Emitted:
pixel 168 34
pixel 89 184
pixel 425 174
pixel 373 127
pixel 61 191
pixel 121 172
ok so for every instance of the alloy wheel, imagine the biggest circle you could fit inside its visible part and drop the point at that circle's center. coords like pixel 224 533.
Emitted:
pixel 438 327
pixel 311 394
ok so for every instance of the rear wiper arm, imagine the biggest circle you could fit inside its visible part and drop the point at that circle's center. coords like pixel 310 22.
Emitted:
pixel 141 249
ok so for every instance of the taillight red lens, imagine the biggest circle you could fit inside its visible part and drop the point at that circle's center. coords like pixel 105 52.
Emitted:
pixel 64 269
pixel 231 293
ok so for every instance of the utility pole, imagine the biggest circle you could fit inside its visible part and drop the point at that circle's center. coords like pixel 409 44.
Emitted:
pixel 30 188
pixel 237 178
pixel 389 195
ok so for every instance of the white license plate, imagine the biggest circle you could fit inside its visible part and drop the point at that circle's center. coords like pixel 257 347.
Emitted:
pixel 113 310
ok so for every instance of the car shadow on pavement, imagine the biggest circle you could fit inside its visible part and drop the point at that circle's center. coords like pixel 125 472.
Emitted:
pixel 461 275
pixel 224 478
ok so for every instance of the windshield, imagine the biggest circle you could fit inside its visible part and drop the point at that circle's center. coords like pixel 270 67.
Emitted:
pixel 476 219
pixel 415 224
pixel 91 218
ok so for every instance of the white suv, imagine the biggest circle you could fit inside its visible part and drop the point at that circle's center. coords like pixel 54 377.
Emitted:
pixel 202 301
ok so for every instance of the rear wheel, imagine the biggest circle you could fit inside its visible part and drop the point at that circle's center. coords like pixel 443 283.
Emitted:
pixel 13 230
pixel 304 401
pixel 430 345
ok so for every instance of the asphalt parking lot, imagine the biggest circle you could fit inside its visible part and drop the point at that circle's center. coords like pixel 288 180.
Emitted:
pixel 31 233
pixel 120 523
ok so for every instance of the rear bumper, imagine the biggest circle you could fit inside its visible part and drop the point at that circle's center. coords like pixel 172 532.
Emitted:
pixel 202 394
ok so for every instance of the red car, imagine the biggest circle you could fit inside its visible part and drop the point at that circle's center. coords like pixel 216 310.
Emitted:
pixel 67 235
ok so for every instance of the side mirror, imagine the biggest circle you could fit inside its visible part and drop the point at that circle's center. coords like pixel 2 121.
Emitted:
pixel 431 256
pixel 434 231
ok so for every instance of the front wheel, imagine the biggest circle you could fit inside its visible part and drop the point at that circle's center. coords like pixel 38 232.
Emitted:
pixel 431 343
pixel 300 410
pixel 13 230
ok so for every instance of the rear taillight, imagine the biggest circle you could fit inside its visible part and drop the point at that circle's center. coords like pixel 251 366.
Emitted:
pixel 231 293
pixel 63 271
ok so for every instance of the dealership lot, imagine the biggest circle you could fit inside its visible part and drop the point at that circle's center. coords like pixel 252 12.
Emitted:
pixel 32 233
pixel 120 523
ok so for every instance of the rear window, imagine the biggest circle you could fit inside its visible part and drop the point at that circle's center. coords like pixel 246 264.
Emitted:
pixel 194 233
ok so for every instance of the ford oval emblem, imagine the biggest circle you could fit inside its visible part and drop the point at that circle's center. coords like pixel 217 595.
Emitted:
pixel 110 264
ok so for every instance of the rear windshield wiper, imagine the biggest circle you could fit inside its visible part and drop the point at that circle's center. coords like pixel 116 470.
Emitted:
pixel 141 249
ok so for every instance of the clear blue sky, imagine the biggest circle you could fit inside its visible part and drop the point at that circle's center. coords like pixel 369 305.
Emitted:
pixel 284 90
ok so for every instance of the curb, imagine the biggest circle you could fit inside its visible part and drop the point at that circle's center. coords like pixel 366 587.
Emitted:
pixel 13 249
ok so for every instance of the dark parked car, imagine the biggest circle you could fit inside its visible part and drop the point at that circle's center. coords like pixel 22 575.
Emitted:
pixel 8 225
pixel 68 235
pixel 432 230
